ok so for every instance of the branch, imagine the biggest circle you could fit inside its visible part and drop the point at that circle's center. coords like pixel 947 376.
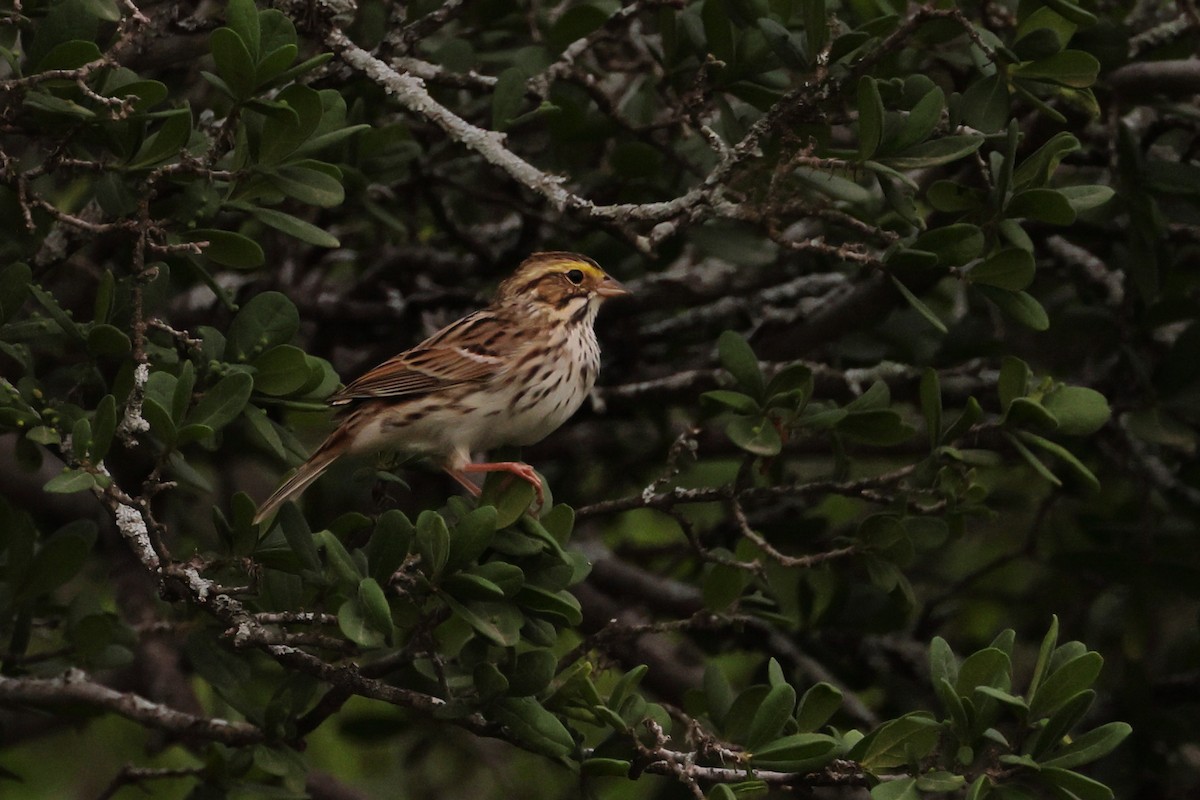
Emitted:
pixel 662 501
pixel 1133 82
pixel 74 686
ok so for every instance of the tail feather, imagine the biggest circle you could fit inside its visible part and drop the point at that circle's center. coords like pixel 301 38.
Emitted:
pixel 308 472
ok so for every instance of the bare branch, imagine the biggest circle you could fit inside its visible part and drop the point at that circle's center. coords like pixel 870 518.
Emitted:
pixel 75 687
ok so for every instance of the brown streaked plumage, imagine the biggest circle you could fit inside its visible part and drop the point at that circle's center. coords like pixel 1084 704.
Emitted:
pixel 508 374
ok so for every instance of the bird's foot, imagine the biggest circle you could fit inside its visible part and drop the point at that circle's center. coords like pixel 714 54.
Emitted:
pixel 516 468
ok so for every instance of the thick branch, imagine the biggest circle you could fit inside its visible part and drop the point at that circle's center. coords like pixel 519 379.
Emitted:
pixel 75 687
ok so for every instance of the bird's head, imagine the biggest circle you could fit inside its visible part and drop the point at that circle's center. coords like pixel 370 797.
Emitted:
pixel 563 283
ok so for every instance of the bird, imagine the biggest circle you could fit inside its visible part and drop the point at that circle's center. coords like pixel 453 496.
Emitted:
pixel 508 374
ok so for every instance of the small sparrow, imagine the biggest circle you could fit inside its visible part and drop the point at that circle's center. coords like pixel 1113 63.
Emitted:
pixel 508 374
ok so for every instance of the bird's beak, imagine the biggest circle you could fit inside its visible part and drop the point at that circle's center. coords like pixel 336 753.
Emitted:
pixel 611 287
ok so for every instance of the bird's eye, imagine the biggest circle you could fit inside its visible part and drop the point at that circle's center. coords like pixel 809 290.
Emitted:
pixel 575 276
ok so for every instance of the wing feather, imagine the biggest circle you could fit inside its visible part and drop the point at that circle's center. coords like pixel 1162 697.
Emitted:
pixel 471 350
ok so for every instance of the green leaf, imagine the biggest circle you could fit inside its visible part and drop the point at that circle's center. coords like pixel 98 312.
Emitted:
pixel 718 33
pixel 1011 269
pixel 979 789
pixel 741 403
pixel 1013 382
pixel 499 623
pixel 533 672
pixel 235 64
pixel 1020 306
pixel 432 543
pixel 102 9
pixel 949 196
pixel 986 667
pixel 282 370
pixel 70 481
pixel 1074 68
pixel 1082 198
pixel 953 704
pixel 388 545
pixel 985 103
pixel 509 577
pixel 222 404
pixel 626 684
pixel 167 142
pixel 58 560
pixel 1027 411
pixel 739 361
pixel 816 25
pixel 756 435
pixel 934 153
pixel 940 781
pixel 375 605
pixel 799 752
pixel 954 244
pixel 1064 683
pixel 227 248
pixel 721 791
pixel 508 95
pixel 817 706
pixel 723 584
pixel 1032 460
pixel 1089 747
pixel 295 227
pixel 870 117
pixel 299 537
pixel 1080 411
pixel 608 767
pixel 776 709
pixel 472 535
pixel 922 120
pixel 511 499
pixel 70 55
pixel 882 427
pixel 308 184
pixel 340 562
pixel 107 340
pixel 1065 455
pixel 1072 12
pixel 1036 170
pixel 489 680
pixel 1007 698
pixel 942 662
pixel 283 134
pixel 14 286
pixel 1050 736
pixel 104 426
pixel 268 320
pixel 931 405
pixel 1049 643
pixel 242 17
pixel 787 46
pixel 895 743
pixel 920 307
pixel 791 385
pixel 353 623
pixel 1077 786
pixel 899 789
pixel 1044 205
pixel 561 605
pixel 466 586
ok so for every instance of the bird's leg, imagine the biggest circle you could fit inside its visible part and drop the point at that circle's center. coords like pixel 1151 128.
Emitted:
pixel 521 470
pixel 464 481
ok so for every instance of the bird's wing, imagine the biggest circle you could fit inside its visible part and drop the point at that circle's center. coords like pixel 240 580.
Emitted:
pixel 471 350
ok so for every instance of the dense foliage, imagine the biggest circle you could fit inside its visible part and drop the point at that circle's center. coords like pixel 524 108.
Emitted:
pixel 894 447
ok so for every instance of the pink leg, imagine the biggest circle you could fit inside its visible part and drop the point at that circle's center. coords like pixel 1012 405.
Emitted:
pixel 522 471
pixel 464 482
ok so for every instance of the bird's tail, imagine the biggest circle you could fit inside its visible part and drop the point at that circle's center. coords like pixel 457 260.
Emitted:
pixel 308 472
